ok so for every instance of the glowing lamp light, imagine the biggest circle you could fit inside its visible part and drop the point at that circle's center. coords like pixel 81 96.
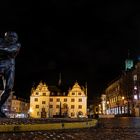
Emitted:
pixel 135 87
pixel 135 97
pixel 30 110
pixel 122 97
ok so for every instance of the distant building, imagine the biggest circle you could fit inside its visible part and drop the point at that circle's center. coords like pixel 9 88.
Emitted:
pixel 19 108
pixel 16 107
pixel 45 103
pixel 123 94
pixel 136 89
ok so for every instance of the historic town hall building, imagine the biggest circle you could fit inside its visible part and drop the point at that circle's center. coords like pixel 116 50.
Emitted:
pixel 46 102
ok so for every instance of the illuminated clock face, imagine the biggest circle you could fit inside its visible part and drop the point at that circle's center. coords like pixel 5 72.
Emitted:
pixel 129 64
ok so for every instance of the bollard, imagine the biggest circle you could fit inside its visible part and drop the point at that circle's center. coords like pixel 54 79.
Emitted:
pixel 62 125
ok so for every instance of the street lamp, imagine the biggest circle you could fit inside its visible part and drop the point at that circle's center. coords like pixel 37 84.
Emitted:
pixel 123 109
pixel 108 107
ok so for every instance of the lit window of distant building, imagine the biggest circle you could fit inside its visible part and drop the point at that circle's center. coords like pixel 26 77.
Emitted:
pixel 73 93
pixel 37 106
pixel 43 109
pixel 135 77
pixel 36 99
pixel 57 106
pixel 72 106
pixel 72 100
pixel 51 106
pixel 44 94
pixel 79 93
pixel 65 99
pixel 80 106
pixel 43 102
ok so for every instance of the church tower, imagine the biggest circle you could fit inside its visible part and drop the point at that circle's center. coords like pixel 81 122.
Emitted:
pixel 128 63
pixel 60 80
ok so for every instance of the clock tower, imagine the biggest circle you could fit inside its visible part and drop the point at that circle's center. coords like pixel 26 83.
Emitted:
pixel 128 63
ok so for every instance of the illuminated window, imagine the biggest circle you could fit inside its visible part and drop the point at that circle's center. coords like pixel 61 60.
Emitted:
pixel 135 77
pixel 43 109
pixel 37 106
pixel 36 99
pixel 73 93
pixel 43 102
pixel 80 106
pixel 57 106
pixel 44 94
pixel 65 99
pixel 79 93
pixel 51 106
pixel 51 99
pixel 57 100
pixel 80 100
pixel 72 100
pixel 72 106
pixel 65 106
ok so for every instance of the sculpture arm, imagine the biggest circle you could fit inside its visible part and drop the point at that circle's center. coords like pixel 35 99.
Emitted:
pixel 11 49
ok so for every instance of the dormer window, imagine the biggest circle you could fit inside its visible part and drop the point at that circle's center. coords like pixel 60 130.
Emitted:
pixel 79 93
pixel 73 93
pixel 37 93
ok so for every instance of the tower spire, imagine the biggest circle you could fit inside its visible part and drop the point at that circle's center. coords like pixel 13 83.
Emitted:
pixel 59 81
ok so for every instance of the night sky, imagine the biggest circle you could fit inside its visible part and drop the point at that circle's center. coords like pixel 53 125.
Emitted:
pixel 85 41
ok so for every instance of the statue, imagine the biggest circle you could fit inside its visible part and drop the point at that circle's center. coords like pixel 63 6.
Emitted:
pixel 9 48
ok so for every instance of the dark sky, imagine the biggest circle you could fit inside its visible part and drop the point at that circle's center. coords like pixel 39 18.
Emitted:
pixel 86 41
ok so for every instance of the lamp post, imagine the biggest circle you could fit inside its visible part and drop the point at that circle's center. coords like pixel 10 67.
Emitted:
pixel 123 105
pixel 108 107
